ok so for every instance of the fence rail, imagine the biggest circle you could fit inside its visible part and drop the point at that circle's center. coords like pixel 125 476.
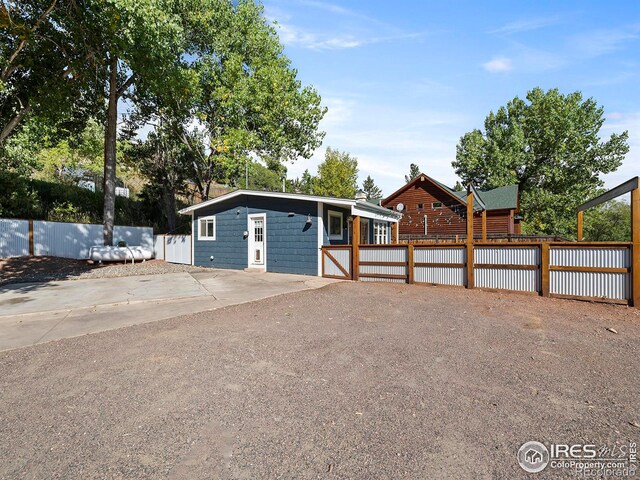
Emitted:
pixel 593 271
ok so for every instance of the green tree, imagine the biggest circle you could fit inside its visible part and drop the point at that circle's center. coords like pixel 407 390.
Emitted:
pixel 244 96
pixel 43 70
pixel 610 222
pixel 337 175
pixel 414 171
pixel 550 146
pixel 458 187
pixel 371 189
pixel 303 184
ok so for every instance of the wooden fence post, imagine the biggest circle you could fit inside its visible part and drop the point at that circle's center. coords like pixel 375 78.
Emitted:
pixel 545 260
pixel 355 247
pixel 31 244
pixel 410 263
pixel 470 279
pixel 580 220
pixel 484 225
pixel 635 247
pixel 394 233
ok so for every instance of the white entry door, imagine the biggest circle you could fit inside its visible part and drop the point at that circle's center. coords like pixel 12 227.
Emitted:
pixel 257 240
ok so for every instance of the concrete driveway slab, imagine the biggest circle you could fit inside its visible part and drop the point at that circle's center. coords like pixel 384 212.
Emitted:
pixel 21 298
pixel 39 312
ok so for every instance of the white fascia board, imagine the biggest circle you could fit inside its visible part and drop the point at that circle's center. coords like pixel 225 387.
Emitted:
pixel 291 196
pixel 392 217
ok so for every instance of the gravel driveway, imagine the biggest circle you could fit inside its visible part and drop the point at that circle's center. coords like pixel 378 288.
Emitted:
pixel 353 380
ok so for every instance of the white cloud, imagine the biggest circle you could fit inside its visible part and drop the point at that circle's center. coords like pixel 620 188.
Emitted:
pixel 525 25
pixel 618 122
pixel 386 138
pixel 294 36
pixel 600 42
pixel 498 64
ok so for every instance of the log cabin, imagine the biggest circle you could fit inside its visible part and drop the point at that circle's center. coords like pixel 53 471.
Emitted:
pixel 431 209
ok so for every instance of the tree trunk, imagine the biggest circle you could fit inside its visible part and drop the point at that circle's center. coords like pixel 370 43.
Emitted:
pixel 109 182
pixel 13 123
pixel 169 200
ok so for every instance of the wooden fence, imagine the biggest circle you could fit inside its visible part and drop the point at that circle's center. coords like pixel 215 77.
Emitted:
pixel 588 271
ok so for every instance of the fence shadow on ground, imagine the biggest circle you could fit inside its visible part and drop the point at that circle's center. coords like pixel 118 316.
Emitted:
pixel 39 269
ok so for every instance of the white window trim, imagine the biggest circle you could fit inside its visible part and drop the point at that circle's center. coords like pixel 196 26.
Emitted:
pixel 378 227
pixel 333 213
pixel 215 228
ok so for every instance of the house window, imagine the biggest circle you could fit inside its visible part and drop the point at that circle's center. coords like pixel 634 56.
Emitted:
pixel 364 231
pixel 207 228
pixel 420 206
pixel 335 225
pixel 436 205
pixel 380 233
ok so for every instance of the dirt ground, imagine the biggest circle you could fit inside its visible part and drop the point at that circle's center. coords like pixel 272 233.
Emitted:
pixel 46 269
pixel 353 380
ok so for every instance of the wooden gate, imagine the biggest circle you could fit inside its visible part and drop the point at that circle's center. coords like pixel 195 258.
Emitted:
pixel 336 262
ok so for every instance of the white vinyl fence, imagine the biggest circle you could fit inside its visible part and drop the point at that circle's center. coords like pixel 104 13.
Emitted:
pixel 14 238
pixel 67 240
pixel 173 248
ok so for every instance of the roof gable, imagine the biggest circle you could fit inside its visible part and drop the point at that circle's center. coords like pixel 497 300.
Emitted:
pixel 420 178
pixel 499 198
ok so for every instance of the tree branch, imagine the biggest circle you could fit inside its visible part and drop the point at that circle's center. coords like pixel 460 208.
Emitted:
pixel 13 123
pixel 22 44
pixel 125 86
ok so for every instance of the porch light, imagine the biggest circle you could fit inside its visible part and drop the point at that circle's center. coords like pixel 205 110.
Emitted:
pixel 309 220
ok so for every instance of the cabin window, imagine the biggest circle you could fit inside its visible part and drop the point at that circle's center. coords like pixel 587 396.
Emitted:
pixel 380 233
pixel 207 228
pixel 420 206
pixel 436 205
pixel 335 225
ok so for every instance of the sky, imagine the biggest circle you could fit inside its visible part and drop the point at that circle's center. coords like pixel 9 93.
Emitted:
pixel 403 81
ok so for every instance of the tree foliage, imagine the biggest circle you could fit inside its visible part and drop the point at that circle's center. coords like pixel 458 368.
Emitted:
pixel 414 171
pixel 371 189
pixel 609 222
pixel 244 95
pixel 550 146
pixel 337 175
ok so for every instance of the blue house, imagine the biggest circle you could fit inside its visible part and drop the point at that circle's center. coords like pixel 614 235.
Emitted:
pixel 280 232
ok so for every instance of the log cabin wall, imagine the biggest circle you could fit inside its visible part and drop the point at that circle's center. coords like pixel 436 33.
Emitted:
pixel 445 215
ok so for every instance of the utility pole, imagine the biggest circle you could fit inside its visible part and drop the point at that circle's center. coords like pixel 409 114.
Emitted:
pixel 246 174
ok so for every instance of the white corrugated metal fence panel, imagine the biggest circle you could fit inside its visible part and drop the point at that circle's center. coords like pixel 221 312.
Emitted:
pixel 440 275
pixel 439 255
pixel 591 257
pixel 507 279
pixel 343 258
pixel 391 254
pixel 178 249
pixel 590 284
pixel 158 247
pixel 501 255
pixel 383 269
pixel 14 238
pixel 67 240
pixel 388 280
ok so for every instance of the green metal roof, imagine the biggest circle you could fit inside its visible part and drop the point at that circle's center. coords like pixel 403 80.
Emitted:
pixel 496 198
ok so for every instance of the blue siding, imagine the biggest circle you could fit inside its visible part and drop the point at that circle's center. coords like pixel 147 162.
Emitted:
pixel 292 244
